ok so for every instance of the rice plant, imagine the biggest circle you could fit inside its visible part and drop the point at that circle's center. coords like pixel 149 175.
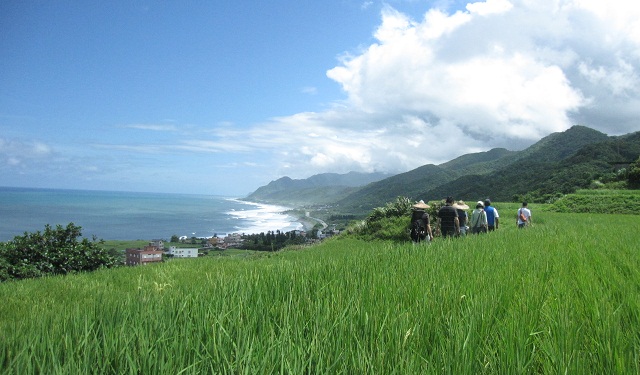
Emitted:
pixel 560 297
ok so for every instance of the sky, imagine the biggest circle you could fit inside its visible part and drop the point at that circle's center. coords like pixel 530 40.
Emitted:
pixel 222 97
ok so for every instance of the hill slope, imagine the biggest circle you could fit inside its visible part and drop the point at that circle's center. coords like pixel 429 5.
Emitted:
pixel 413 183
pixel 318 189
pixel 558 164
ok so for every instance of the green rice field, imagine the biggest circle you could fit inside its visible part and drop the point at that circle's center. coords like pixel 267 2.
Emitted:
pixel 561 297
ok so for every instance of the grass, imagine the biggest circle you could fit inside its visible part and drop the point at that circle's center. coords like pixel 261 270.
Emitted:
pixel 600 201
pixel 560 297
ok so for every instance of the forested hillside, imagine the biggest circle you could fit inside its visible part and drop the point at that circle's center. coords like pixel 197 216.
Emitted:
pixel 318 189
pixel 558 164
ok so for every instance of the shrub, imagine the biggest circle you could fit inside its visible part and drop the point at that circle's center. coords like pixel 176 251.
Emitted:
pixel 391 222
pixel 54 251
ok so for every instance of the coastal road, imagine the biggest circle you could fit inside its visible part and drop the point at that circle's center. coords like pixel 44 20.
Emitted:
pixel 324 225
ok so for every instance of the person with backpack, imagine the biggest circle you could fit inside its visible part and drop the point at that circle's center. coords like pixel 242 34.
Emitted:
pixel 478 222
pixel 493 217
pixel 524 216
pixel 420 223
pixel 448 219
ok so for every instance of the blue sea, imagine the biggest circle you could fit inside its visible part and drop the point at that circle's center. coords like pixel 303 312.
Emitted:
pixel 131 216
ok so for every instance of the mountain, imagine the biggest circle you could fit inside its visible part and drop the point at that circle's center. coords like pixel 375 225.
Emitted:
pixel 404 184
pixel 318 189
pixel 558 164
pixel 413 183
pixel 558 146
pixel 481 162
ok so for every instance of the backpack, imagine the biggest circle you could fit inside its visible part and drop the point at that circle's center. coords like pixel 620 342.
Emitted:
pixel 419 225
pixel 521 216
pixel 418 232
pixel 478 227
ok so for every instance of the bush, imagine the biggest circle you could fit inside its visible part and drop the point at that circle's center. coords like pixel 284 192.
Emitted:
pixel 634 173
pixel 53 252
pixel 391 222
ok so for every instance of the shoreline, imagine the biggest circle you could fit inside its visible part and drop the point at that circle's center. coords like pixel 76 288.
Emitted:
pixel 125 216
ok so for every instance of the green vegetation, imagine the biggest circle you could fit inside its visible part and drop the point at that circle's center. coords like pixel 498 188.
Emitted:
pixel 392 221
pixel 634 173
pixel 119 245
pixel 558 164
pixel 560 297
pixel 600 201
pixel 56 251
pixel 271 241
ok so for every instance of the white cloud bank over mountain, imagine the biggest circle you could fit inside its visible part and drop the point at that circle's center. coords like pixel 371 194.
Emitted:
pixel 497 74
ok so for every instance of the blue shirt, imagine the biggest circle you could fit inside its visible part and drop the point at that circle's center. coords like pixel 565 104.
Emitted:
pixel 491 215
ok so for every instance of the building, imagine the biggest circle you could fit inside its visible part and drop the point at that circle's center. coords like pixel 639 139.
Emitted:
pixel 157 243
pixel 136 257
pixel 183 252
pixel 233 240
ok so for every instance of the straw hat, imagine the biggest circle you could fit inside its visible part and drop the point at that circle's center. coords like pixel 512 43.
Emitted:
pixel 421 204
pixel 460 205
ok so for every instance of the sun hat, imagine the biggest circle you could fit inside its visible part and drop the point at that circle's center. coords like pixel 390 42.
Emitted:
pixel 480 204
pixel 460 205
pixel 421 204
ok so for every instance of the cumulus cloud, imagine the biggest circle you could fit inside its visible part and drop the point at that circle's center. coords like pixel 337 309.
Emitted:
pixel 497 74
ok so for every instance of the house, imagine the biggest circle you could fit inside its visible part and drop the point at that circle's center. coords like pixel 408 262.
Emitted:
pixel 136 257
pixel 183 252
pixel 233 240
pixel 157 243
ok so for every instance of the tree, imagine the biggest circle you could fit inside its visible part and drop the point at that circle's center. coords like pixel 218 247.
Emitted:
pixel 634 173
pixel 53 252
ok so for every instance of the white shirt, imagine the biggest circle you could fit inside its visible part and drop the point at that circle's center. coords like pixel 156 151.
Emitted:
pixel 526 212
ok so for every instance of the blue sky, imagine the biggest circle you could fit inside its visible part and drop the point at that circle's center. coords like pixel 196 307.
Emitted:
pixel 221 97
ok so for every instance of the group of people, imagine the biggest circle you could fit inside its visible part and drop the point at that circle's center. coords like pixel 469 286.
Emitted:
pixel 454 220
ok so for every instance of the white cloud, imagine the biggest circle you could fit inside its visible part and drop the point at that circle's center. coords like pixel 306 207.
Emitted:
pixel 489 7
pixel 15 153
pixel 497 74
pixel 153 127
pixel 309 90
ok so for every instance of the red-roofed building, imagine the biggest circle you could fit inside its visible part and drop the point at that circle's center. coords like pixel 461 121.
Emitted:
pixel 136 257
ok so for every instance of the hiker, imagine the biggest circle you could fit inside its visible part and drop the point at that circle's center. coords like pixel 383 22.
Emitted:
pixel 478 222
pixel 448 219
pixel 524 216
pixel 463 217
pixel 420 223
pixel 492 215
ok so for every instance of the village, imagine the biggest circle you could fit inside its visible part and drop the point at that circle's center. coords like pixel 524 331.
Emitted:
pixel 157 251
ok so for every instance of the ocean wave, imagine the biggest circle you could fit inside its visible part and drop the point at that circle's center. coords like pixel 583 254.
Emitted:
pixel 262 218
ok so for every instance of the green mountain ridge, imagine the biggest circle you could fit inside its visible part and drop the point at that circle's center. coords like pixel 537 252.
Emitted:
pixel 559 163
pixel 322 188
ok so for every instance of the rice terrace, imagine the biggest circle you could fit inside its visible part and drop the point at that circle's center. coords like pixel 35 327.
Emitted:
pixel 394 187
pixel 558 297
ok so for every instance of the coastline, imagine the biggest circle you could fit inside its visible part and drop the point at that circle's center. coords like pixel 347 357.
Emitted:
pixel 131 216
pixel 271 217
pixel 300 214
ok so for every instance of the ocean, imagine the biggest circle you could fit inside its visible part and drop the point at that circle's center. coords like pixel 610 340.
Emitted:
pixel 113 215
